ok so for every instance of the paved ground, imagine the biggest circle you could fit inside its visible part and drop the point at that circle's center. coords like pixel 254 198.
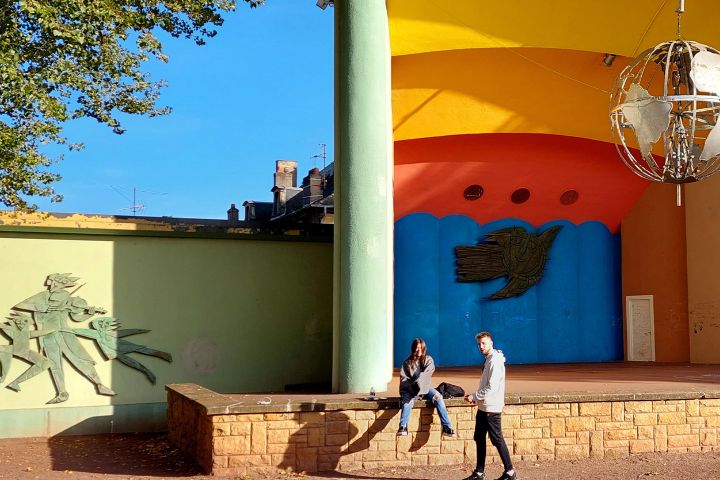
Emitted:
pixel 150 456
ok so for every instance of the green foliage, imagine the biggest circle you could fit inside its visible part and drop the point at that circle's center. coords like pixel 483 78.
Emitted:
pixel 66 59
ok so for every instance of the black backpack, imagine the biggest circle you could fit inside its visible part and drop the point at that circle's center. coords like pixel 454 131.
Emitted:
pixel 448 390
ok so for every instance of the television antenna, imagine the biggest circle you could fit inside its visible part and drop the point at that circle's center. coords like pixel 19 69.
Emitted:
pixel 322 154
pixel 134 206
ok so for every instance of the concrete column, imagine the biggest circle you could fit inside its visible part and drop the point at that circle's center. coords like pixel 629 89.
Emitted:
pixel 363 262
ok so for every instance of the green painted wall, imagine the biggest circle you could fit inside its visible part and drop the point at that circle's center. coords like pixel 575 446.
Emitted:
pixel 237 315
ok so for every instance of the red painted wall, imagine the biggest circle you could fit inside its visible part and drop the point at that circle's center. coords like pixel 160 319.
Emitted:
pixel 432 173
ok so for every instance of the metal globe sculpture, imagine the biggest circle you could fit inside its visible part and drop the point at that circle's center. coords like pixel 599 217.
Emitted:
pixel 669 94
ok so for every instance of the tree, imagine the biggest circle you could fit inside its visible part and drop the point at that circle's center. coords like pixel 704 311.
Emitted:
pixel 66 59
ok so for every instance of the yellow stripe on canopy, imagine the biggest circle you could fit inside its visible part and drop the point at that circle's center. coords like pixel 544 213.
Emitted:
pixel 562 92
pixel 623 27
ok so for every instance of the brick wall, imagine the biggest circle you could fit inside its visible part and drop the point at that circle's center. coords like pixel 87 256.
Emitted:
pixel 189 427
pixel 349 440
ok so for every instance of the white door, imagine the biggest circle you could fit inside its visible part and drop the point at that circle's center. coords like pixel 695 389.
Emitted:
pixel 640 328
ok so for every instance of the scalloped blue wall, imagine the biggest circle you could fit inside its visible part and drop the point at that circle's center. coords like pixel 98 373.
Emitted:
pixel 573 315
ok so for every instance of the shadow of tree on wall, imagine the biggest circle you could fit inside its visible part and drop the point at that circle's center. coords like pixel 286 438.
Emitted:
pixel 422 436
pixel 320 442
pixel 330 442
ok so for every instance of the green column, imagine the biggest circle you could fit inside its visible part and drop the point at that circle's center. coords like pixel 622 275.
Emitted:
pixel 362 343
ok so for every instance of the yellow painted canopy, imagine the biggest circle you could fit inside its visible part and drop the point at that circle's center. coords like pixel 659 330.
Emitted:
pixel 523 66
pixel 560 92
pixel 622 27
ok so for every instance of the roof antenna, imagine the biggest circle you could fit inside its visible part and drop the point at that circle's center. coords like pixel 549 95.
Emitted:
pixel 134 206
pixel 322 154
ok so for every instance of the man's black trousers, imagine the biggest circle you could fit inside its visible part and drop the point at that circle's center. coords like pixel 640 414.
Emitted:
pixel 489 423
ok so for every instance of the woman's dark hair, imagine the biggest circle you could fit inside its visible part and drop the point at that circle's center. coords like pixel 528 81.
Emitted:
pixel 419 341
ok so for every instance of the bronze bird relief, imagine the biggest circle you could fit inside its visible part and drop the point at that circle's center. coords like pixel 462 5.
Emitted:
pixel 511 252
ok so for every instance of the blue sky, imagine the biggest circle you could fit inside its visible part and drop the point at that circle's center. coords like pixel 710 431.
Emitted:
pixel 260 91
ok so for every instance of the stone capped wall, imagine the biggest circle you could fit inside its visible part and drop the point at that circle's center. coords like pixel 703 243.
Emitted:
pixel 346 440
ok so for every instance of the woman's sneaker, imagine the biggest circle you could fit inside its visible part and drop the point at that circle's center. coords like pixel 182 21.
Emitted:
pixel 508 476
pixel 448 432
pixel 402 431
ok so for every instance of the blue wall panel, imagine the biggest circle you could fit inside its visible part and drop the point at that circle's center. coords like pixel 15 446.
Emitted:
pixel 416 283
pixel 459 303
pixel 573 314
pixel 558 298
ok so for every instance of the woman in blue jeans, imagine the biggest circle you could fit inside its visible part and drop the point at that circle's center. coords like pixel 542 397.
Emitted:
pixel 416 382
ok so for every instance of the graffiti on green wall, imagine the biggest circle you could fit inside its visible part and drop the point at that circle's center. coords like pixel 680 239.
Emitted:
pixel 48 311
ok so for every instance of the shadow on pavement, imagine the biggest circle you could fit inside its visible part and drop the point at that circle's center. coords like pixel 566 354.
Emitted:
pixel 131 454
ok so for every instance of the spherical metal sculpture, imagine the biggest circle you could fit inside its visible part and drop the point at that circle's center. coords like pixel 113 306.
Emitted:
pixel 669 93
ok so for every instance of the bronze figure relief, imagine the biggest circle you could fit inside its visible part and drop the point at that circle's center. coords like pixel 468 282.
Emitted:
pixel 44 316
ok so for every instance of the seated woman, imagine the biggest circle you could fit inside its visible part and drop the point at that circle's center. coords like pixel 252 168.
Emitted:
pixel 416 382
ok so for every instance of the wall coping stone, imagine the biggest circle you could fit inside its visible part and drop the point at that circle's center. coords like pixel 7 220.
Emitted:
pixel 113 225
pixel 214 403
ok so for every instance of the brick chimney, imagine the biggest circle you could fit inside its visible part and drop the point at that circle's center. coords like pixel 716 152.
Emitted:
pixel 233 215
pixel 285 186
pixel 285 173
pixel 315 182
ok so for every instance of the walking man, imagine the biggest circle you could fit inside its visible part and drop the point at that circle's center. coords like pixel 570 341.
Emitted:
pixel 490 399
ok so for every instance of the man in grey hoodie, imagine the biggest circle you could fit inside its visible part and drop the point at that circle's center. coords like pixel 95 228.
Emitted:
pixel 490 399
